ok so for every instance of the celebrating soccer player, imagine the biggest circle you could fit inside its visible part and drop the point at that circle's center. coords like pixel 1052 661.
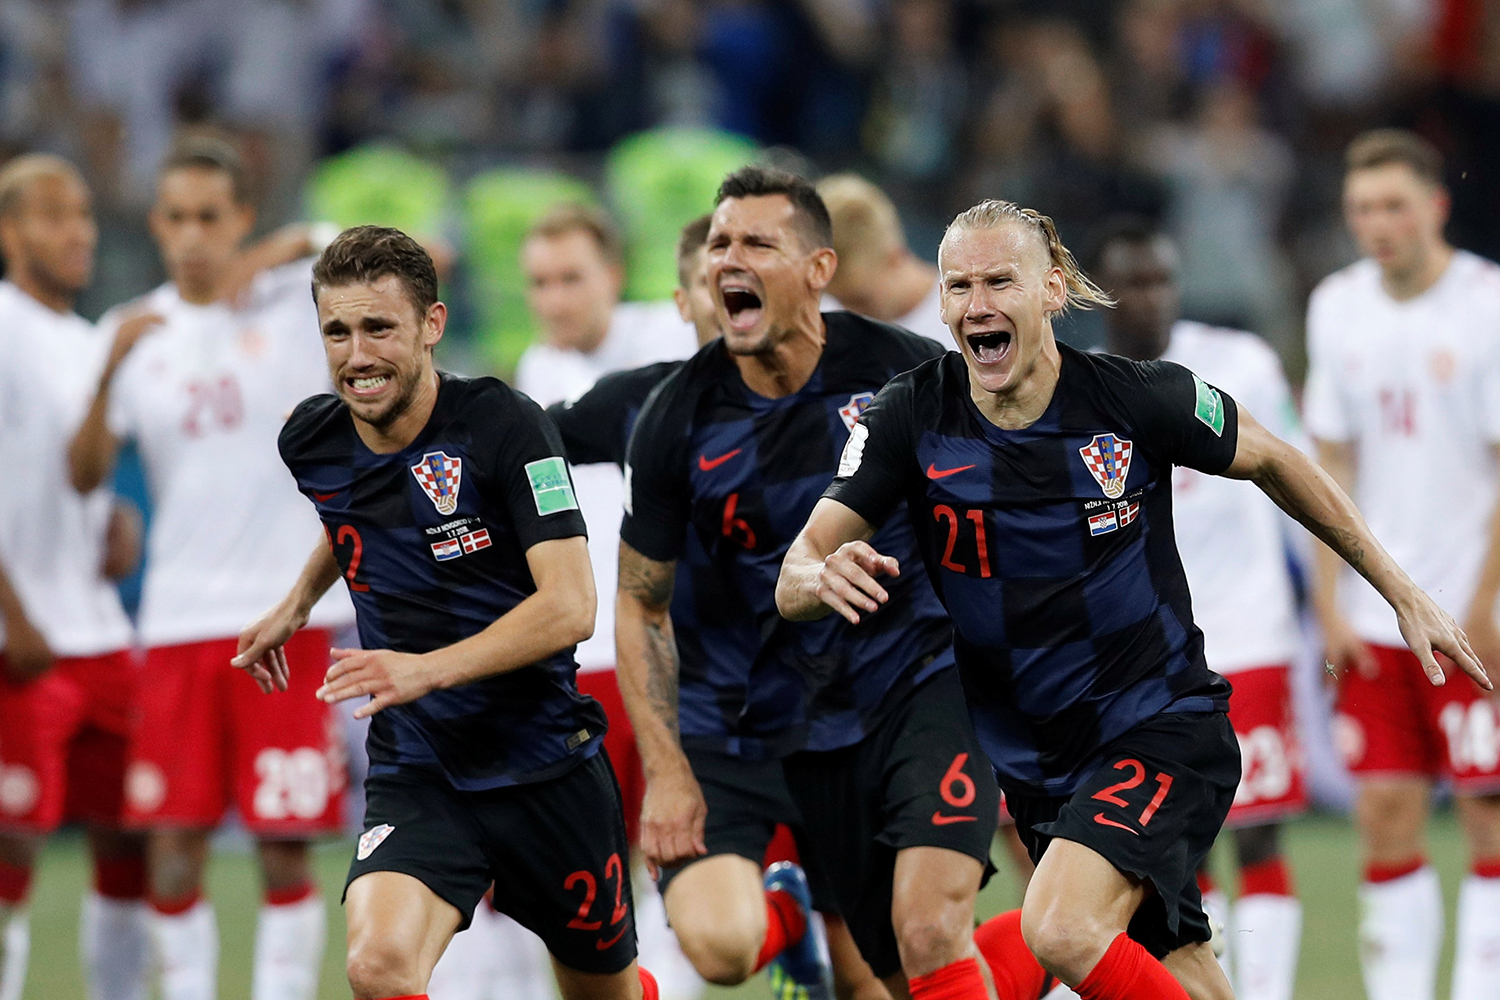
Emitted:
pixel 67 676
pixel 1038 480
pixel 455 526
pixel 726 461
pixel 1403 398
pixel 201 374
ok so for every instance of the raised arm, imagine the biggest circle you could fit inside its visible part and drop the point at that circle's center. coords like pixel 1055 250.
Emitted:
pixel 831 566
pixel 558 615
pixel 673 811
pixel 1309 494
pixel 91 455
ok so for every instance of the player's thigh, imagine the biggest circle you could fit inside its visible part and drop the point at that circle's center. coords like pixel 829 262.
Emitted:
pixel 397 930
pixel 1075 888
pixel 720 898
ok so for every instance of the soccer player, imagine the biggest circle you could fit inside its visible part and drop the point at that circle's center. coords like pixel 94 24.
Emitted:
pixel 878 275
pixel 456 528
pixel 202 386
pixel 1233 543
pixel 67 675
pixel 1037 479
pixel 1403 399
pixel 727 458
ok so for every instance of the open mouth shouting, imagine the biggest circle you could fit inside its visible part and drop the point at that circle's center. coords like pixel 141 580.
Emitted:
pixel 742 303
pixel 990 347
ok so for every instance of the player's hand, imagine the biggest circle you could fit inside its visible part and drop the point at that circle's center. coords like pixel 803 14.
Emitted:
pixel 261 651
pixel 388 677
pixel 27 655
pixel 847 582
pixel 1344 650
pixel 290 242
pixel 672 817
pixel 1427 628
pixel 129 334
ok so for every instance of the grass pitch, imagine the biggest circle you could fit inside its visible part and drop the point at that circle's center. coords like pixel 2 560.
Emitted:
pixel 1324 854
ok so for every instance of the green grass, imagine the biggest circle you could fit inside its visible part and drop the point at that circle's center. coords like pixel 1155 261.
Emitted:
pixel 1324 853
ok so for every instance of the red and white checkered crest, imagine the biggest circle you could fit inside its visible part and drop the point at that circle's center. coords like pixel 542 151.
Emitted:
pixel 1108 460
pixel 440 476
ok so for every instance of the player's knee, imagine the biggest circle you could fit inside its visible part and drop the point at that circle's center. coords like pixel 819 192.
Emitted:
pixel 723 951
pixel 377 967
pixel 1068 944
pixel 932 934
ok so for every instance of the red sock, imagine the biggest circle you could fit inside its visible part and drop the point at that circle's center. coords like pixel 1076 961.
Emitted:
pixel 286 897
pixel 1017 973
pixel 120 878
pixel 1206 883
pixel 177 907
pixel 1389 873
pixel 960 981
pixel 1128 972
pixel 15 884
pixel 1270 877
pixel 1487 868
pixel 648 985
pixel 785 925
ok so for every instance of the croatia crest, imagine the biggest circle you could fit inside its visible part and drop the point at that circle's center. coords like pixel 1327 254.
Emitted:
pixel 440 476
pixel 851 410
pixel 1108 460
pixel 371 839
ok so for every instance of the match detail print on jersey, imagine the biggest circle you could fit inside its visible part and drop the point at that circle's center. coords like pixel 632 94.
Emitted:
pixel 440 477
pixel 1107 458
pixel 550 486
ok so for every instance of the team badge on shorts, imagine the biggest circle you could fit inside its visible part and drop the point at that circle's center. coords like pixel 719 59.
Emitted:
pixel 440 476
pixel 851 410
pixel 1108 460
pixel 371 839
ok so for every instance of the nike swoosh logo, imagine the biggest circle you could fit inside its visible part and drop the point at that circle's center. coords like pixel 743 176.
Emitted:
pixel 325 497
pixel 710 464
pixel 938 819
pixel 1103 820
pixel 933 472
pixel 606 945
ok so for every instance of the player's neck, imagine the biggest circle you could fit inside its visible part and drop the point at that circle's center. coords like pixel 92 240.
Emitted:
pixel 788 364
pixel 1023 403
pixel 196 294
pixel 404 429
pixel 1412 282
pixel 49 294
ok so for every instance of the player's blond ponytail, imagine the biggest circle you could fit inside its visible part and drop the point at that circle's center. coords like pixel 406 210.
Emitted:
pixel 1082 293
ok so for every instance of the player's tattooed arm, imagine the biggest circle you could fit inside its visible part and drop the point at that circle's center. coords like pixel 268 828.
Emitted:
pixel 673 812
pixel 831 566
pixel 260 653
pixel 1310 494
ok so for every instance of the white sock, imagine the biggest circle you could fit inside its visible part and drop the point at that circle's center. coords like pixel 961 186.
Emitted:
pixel 1267 936
pixel 15 950
pixel 1476 964
pixel 115 947
pixel 1400 933
pixel 289 942
pixel 187 952
pixel 1216 905
pixel 658 946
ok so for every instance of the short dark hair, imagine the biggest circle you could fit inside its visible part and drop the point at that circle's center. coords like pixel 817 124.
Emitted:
pixel 365 254
pixel 761 182
pixel 207 153
pixel 1131 230
pixel 579 217
pixel 1383 146
pixel 692 238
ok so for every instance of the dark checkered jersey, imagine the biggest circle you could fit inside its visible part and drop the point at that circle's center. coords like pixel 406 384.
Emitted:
pixel 596 426
pixel 432 542
pixel 722 479
pixel 1052 548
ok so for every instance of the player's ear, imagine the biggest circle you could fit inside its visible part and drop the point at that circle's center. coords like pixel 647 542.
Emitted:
pixel 1054 291
pixel 433 324
pixel 681 298
pixel 822 264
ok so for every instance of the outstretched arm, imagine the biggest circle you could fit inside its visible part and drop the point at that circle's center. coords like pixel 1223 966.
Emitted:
pixel 832 567
pixel 1309 494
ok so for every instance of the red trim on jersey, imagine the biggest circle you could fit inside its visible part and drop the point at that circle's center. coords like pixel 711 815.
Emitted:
pixel 1376 874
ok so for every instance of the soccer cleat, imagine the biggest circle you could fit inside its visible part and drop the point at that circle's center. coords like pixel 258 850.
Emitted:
pixel 802 970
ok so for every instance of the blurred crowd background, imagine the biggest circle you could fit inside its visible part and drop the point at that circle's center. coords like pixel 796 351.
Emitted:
pixel 463 118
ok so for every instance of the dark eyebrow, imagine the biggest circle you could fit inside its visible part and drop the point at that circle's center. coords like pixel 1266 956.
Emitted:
pixel 335 326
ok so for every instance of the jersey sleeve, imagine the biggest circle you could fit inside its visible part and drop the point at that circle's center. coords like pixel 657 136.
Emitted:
pixel 879 457
pixel 528 475
pixel 657 491
pixel 1322 403
pixel 592 426
pixel 1183 419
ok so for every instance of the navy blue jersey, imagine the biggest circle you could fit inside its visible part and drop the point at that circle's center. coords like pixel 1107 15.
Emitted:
pixel 595 427
pixel 432 541
pixel 1052 548
pixel 722 479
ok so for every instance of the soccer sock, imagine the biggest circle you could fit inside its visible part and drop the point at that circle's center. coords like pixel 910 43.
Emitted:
pixel 1128 972
pixel 1216 905
pixel 1267 932
pixel 112 937
pixel 1016 972
pixel 1401 930
pixel 15 930
pixel 960 980
pixel 1476 963
pixel 186 938
pixel 289 939
pixel 785 925
pixel 648 985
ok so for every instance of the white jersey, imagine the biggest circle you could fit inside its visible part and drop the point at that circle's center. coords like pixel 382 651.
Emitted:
pixel 639 334
pixel 51 538
pixel 1414 386
pixel 1232 538
pixel 204 396
pixel 927 318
